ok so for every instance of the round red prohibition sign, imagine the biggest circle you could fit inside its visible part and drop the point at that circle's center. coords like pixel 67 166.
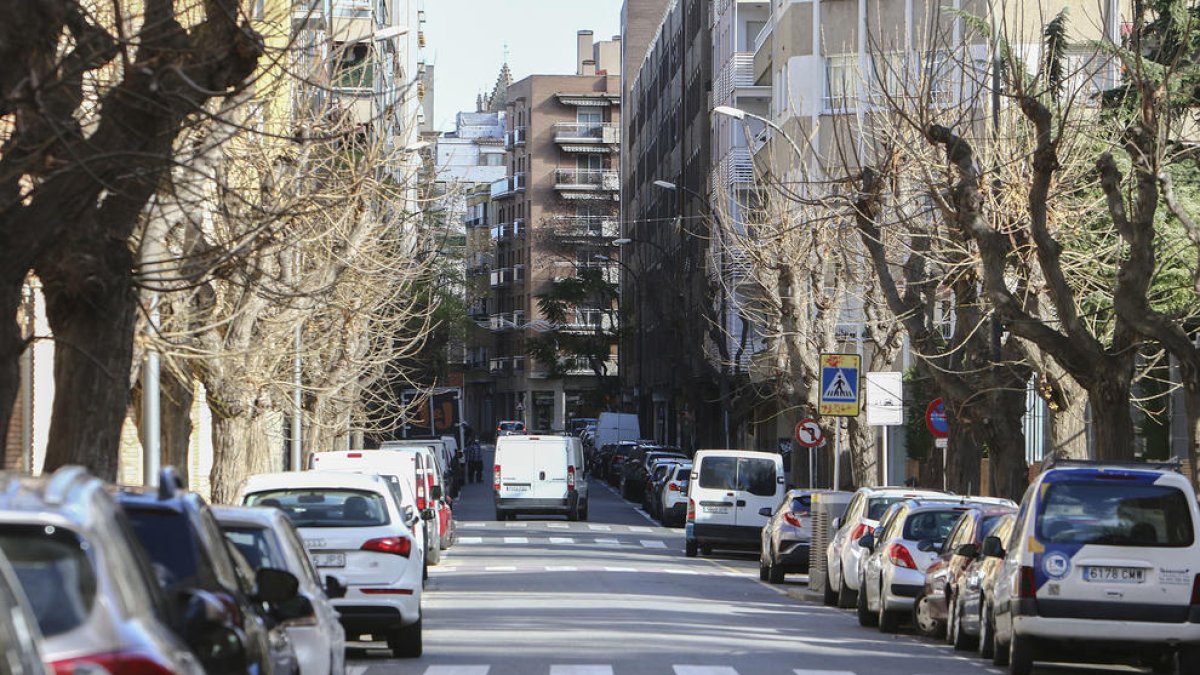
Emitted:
pixel 809 433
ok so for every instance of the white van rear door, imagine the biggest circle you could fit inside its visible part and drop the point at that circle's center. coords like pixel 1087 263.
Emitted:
pixel 551 468
pixel 714 490
pixel 758 486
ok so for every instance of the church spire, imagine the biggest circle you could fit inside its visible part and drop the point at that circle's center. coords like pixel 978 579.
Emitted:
pixel 498 99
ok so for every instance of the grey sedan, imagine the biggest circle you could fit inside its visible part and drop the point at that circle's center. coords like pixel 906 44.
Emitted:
pixel 786 537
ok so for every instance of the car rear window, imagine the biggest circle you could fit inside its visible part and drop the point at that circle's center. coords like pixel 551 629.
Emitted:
pixel 256 545
pixel 935 525
pixel 756 476
pixel 55 571
pixel 876 506
pixel 1115 513
pixel 802 505
pixel 167 538
pixel 325 507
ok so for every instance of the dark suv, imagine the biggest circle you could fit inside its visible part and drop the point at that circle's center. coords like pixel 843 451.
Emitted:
pixel 192 559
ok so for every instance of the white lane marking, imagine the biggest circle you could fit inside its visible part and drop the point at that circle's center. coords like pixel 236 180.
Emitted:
pixel 599 528
pixel 562 540
pixel 561 568
pixel 620 569
pixel 471 523
pixel 470 540
pixel 640 528
pixel 581 670
pixel 356 670
pixel 654 543
pixel 443 568
pixel 511 524
pixel 801 671
pixel 674 570
pixel 645 515
pixel 500 568
pixel 558 526
pixel 734 574
pixel 516 540
pixel 705 670
pixel 608 542
pixel 457 670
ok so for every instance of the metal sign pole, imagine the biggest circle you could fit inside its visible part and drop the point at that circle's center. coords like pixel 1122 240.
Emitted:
pixel 885 458
pixel 837 452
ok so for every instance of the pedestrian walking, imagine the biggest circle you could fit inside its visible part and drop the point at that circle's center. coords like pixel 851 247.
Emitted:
pixel 474 462
pixel 460 471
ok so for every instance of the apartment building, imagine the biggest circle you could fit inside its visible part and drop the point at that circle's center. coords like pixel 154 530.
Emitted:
pixel 557 212
pixel 669 373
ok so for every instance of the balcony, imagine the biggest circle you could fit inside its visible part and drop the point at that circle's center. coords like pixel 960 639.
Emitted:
pixel 736 169
pixel 478 262
pixel 514 138
pixel 737 77
pixel 500 366
pixel 586 227
pixel 590 322
pixel 582 367
pixel 479 310
pixel 599 183
pixel 502 277
pixel 564 269
pixel 509 231
pixel 587 136
pixel 508 186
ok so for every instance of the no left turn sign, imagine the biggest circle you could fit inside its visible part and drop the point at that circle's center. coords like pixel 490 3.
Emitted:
pixel 809 433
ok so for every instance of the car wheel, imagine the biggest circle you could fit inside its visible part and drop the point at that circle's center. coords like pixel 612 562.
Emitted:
pixel 999 649
pixel 583 515
pixel 433 555
pixel 924 621
pixel 689 548
pixel 846 598
pixel 865 617
pixel 1189 659
pixel 987 636
pixel 775 572
pixel 888 621
pixel 764 572
pixel 1020 655
pixel 405 642
pixel 706 550
pixel 573 513
pixel 830 596
pixel 962 641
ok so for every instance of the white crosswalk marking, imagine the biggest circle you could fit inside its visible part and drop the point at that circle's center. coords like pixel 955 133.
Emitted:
pixel 608 542
pixel 705 670
pixel 677 570
pixel 562 540
pixel 500 568
pixel 443 568
pixel 516 540
pixel 620 569
pixel 600 528
pixel 470 540
pixel 516 524
pixel 558 526
pixel 561 568
pixel 457 670
pixel 471 523
pixel 639 528
pixel 801 671
pixel 654 543
pixel 581 670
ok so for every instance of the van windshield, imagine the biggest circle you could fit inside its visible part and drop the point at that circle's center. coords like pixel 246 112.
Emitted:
pixel 756 476
pixel 1115 514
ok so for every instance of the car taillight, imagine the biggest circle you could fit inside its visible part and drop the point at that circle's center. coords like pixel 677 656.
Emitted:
pixel 691 514
pixel 672 487
pixel 570 479
pixel 496 479
pixel 393 545
pixel 421 492
pixel 900 556
pixel 859 530
pixel 116 663
pixel 1027 587
pixel 353 455
pixel 793 519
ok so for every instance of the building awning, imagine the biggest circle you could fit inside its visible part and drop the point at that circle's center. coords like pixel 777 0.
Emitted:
pixel 590 196
pixel 590 100
pixel 595 147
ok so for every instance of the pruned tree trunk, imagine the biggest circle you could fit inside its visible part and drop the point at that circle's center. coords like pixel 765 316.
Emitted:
pixel 175 425
pixel 237 439
pixel 12 344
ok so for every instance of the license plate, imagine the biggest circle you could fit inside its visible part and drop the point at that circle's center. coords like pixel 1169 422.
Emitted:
pixel 714 509
pixel 517 488
pixel 329 559
pixel 1115 575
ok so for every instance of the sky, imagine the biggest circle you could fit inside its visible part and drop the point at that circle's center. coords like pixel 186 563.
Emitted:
pixel 465 40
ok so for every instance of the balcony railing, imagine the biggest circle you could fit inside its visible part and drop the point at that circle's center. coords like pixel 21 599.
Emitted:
pixel 587 179
pixel 502 277
pixel 587 132
pixel 514 137
pixel 508 186
pixel 509 230
pixel 585 227
pixel 735 168
pixel 737 72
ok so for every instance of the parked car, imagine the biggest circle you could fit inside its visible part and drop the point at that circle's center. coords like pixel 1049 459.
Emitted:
pixel 786 537
pixel 930 610
pixel 843 554
pixel 727 490
pixel 506 427
pixel 282 658
pixel 652 494
pixel 972 594
pixel 352 525
pixel 540 475
pixel 20 638
pixel 178 531
pixel 636 469
pixel 265 537
pixel 436 481
pixel 1101 567
pixel 674 496
pixel 616 461
pixel 88 585
pixel 893 571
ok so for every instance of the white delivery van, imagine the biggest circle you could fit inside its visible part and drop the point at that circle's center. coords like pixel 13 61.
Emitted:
pixel 727 490
pixel 402 468
pixel 540 474
pixel 439 447
pixel 614 427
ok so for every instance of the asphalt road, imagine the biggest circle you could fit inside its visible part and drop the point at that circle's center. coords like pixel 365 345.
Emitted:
pixel 616 596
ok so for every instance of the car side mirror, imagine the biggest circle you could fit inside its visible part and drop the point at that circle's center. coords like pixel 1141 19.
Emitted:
pixel 297 609
pixel 836 524
pixel 427 514
pixel 992 548
pixel 275 586
pixel 202 612
pixel 867 541
pixel 334 588
pixel 967 551
pixel 410 514
pixel 436 492
pixel 766 511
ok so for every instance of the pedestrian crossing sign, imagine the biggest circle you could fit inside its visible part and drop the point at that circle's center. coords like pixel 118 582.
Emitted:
pixel 839 385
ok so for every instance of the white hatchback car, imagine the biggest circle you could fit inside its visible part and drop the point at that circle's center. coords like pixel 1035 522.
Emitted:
pixel 844 555
pixel 893 571
pixel 674 496
pixel 266 538
pixel 356 526
pixel 1103 564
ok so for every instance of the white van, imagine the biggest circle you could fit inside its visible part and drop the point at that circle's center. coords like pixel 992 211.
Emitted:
pixel 437 445
pixel 727 490
pixel 614 427
pixel 540 474
pixel 1103 564
pixel 407 468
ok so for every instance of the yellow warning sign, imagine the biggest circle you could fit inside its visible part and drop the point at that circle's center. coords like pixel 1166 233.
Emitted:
pixel 839 396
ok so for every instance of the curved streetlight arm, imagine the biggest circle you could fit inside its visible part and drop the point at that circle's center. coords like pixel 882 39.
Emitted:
pixel 739 114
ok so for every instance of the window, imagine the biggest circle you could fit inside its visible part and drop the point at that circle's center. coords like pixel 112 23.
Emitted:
pixel 256 545
pixel 172 548
pixel 876 506
pixel 802 505
pixel 930 525
pixel 326 507
pixel 53 567
pixel 888 77
pixel 719 473
pixel 354 68
pixel 842 80
pixel 1115 513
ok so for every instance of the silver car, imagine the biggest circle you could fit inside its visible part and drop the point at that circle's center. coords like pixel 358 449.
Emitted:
pixel 90 585
pixel 20 639
pixel 786 537
pixel 266 538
